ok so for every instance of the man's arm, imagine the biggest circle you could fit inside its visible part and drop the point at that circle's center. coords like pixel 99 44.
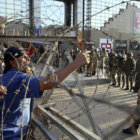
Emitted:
pixel 82 59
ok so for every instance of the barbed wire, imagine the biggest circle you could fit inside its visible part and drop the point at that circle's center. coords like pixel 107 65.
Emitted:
pixel 80 95
pixel 123 108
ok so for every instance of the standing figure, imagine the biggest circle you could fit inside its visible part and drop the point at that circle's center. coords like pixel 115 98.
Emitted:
pixel 120 72
pixel 113 68
pixel 129 69
pixel 96 61
pixel 103 55
pixel 137 75
pixel 91 65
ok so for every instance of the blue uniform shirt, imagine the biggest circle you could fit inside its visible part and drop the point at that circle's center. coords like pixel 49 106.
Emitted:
pixel 15 107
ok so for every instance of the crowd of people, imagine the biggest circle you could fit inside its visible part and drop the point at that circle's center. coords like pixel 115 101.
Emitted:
pixel 118 66
pixel 124 72
pixel 18 86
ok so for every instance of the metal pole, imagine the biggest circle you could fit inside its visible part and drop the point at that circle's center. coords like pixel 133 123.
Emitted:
pixel 31 16
pixel 81 92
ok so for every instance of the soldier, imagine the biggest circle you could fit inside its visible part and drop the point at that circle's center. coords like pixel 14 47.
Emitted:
pixel 109 64
pixel 91 65
pixel 113 68
pixel 137 74
pixel 96 61
pixel 103 55
pixel 132 130
pixel 129 69
pixel 63 61
pixel 120 74
pixel 81 69
pixel 106 67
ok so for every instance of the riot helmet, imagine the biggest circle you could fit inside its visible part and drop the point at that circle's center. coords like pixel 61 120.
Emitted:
pixel 130 54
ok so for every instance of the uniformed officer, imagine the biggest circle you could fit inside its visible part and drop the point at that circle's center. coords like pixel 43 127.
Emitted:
pixel 110 55
pixel 96 61
pixel 137 74
pixel 129 69
pixel 113 68
pixel 102 59
pixel 132 130
pixel 120 73
pixel 91 65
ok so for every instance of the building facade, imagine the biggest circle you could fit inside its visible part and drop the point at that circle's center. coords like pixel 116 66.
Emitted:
pixel 119 23
pixel 14 10
pixel 98 12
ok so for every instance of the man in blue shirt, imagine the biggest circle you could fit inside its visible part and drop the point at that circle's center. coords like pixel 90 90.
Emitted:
pixel 15 106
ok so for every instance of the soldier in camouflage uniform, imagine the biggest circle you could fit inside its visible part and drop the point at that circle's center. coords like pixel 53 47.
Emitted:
pixel 102 61
pixel 120 74
pixel 137 74
pixel 91 65
pixel 109 64
pixel 96 61
pixel 132 130
pixel 129 69
pixel 113 68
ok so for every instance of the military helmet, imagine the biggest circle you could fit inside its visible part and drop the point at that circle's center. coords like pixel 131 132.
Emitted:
pixel 114 54
pixel 119 55
pixel 124 56
pixel 130 54
pixel 111 54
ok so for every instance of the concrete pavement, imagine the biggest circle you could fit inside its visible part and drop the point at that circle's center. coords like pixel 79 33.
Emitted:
pixel 105 116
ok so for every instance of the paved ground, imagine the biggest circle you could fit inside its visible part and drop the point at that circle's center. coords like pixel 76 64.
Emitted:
pixel 105 116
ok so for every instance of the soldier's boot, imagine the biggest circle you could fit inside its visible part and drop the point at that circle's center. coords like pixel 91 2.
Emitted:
pixel 118 80
pixel 87 74
pixel 130 131
pixel 131 87
pixel 114 84
pixel 123 85
pixel 118 85
pixel 127 88
pixel 93 73
pixel 90 74
pixel 135 89
pixel 114 81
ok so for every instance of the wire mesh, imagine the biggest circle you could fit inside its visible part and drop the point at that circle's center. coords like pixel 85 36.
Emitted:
pixel 67 103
